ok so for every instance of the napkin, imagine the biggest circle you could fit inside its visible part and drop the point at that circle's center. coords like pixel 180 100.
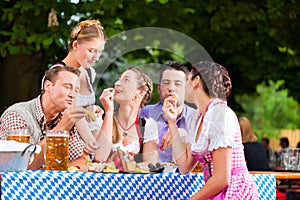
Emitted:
pixel 11 145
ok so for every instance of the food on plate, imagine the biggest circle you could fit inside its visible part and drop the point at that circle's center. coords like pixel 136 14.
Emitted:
pixel 139 170
pixel 168 164
pixel 110 167
pixel 131 167
pixel 124 161
pixel 96 167
pixel 88 162
pixel 121 161
pixel 73 169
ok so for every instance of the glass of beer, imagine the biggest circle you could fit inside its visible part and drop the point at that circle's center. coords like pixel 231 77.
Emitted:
pixel 57 150
pixel 19 135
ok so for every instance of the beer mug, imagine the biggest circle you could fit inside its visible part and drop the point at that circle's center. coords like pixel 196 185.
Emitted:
pixel 57 150
pixel 19 135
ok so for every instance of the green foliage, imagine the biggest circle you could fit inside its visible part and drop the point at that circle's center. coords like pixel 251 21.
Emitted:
pixel 254 40
pixel 271 110
pixel 25 30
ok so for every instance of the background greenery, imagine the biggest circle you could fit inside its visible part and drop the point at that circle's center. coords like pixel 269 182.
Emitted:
pixel 257 41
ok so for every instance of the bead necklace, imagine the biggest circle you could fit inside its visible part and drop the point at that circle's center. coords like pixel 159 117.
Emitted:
pixel 125 129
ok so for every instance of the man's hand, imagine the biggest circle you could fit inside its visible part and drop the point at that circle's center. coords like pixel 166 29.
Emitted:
pixel 169 108
pixel 69 117
pixel 93 111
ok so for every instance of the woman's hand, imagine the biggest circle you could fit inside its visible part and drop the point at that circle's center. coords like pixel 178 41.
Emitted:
pixel 166 140
pixel 169 108
pixel 107 99
pixel 91 147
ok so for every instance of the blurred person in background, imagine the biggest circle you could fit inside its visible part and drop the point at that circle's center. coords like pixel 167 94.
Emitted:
pixel 284 144
pixel 271 154
pixel 255 155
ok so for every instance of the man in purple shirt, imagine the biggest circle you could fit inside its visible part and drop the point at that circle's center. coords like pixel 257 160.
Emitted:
pixel 172 81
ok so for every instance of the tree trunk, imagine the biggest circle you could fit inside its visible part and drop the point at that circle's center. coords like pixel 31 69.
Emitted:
pixel 20 79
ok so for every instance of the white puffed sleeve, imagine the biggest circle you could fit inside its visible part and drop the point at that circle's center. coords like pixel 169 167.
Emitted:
pixel 151 130
pixel 217 126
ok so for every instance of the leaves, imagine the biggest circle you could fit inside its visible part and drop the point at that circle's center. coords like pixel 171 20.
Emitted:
pixel 272 109
pixel 254 40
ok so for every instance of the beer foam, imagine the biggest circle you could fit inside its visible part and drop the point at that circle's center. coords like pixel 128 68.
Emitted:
pixel 56 135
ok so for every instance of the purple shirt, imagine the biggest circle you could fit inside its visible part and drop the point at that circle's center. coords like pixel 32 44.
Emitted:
pixel 155 112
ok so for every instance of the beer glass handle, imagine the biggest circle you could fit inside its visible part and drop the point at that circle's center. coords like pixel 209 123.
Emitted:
pixel 24 151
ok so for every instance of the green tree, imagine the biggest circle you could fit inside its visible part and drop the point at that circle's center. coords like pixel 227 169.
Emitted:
pixel 272 109
pixel 255 40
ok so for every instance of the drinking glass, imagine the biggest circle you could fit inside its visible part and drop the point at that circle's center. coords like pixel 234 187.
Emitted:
pixel 293 159
pixel 19 135
pixel 284 160
pixel 57 150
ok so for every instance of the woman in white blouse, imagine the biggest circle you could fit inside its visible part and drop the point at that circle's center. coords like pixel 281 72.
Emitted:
pixel 217 141
pixel 122 127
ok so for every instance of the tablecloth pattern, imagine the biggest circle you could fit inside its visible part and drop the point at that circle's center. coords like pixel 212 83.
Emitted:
pixel 87 185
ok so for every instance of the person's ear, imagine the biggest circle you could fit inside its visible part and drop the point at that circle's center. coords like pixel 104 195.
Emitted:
pixel 47 85
pixel 140 94
pixel 158 88
pixel 75 45
pixel 196 82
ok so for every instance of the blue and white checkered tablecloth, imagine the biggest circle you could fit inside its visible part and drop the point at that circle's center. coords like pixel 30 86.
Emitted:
pixel 87 185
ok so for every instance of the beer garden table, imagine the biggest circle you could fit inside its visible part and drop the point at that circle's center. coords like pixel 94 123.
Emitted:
pixel 280 174
pixel 89 185
pixel 288 181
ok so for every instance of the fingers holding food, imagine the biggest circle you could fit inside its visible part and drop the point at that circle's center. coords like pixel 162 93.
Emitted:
pixel 91 115
pixel 107 98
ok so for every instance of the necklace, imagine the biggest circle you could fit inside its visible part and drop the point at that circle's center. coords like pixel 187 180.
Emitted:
pixel 125 129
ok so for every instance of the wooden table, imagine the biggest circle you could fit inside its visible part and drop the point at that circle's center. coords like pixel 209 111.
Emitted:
pixel 287 181
pixel 280 174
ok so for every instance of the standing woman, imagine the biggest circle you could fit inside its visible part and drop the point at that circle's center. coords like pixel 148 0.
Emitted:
pixel 122 128
pixel 86 44
pixel 217 143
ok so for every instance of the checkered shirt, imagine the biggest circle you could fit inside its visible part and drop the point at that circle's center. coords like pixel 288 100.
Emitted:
pixel 13 120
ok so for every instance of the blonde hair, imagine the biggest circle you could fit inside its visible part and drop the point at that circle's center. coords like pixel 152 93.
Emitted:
pixel 86 30
pixel 246 130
